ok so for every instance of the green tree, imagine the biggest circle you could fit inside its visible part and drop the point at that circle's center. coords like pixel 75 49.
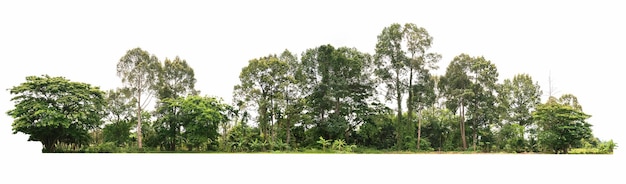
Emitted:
pixel 455 87
pixel 482 107
pixel 419 63
pixel 56 110
pixel 175 79
pixel 561 126
pixel 261 88
pixel 119 112
pixel 293 103
pixel 338 89
pixel 139 72
pixel 118 133
pixel 517 99
pixel 390 59
pixel 199 118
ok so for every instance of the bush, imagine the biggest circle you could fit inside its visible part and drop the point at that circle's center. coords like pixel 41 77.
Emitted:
pixel 607 146
pixel 107 147
pixel 587 151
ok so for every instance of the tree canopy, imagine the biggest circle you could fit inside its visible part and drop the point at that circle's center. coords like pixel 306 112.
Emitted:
pixel 56 110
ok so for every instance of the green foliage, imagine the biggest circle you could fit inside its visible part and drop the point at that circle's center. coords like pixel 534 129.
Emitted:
pixel 324 143
pixel 196 119
pixel 511 138
pixel 118 133
pixel 607 147
pixel 339 145
pixel 425 145
pixel 107 147
pixel 139 71
pixel 601 148
pixel 55 110
pixel 562 126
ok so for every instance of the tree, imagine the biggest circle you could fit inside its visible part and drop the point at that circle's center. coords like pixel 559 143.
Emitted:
pixel 423 96
pixel 404 61
pixel 119 116
pixel 455 87
pixel 118 133
pixel 482 108
pixel 420 62
pixel 561 126
pixel 261 88
pixel 139 72
pixel 517 99
pixel 56 110
pixel 292 96
pixel 390 59
pixel 175 79
pixel 338 89
pixel 199 118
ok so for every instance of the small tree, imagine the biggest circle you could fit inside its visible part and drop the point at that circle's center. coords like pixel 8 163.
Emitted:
pixel 324 143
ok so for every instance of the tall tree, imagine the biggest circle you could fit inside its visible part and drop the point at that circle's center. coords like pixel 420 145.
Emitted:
pixel 522 97
pixel 340 89
pixel 419 62
pixel 390 59
pixel 517 99
pixel 56 110
pixel 259 88
pixel 455 87
pixel 176 79
pixel 293 104
pixel 403 59
pixel 139 72
pixel 423 96
pixel 483 104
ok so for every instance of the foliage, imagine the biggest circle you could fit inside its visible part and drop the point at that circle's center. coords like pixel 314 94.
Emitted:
pixel 198 118
pixel 324 143
pixel 562 126
pixel 139 72
pixel 118 133
pixel 56 110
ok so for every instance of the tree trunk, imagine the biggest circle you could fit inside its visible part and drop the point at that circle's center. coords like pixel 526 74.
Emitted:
pixel 272 127
pixel 419 129
pixel 139 141
pixel 288 130
pixel 475 135
pixel 400 124
pixel 462 124
pixel 409 105
pixel 49 146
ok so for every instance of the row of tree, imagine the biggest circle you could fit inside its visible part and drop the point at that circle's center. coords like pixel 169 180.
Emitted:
pixel 287 102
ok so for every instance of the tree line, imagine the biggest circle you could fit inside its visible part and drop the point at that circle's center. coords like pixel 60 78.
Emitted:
pixel 326 98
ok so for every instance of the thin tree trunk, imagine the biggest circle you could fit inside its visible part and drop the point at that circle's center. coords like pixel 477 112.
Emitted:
pixel 409 103
pixel 139 143
pixel 462 124
pixel 400 124
pixel 475 135
pixel 272 127
pixel 419 129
